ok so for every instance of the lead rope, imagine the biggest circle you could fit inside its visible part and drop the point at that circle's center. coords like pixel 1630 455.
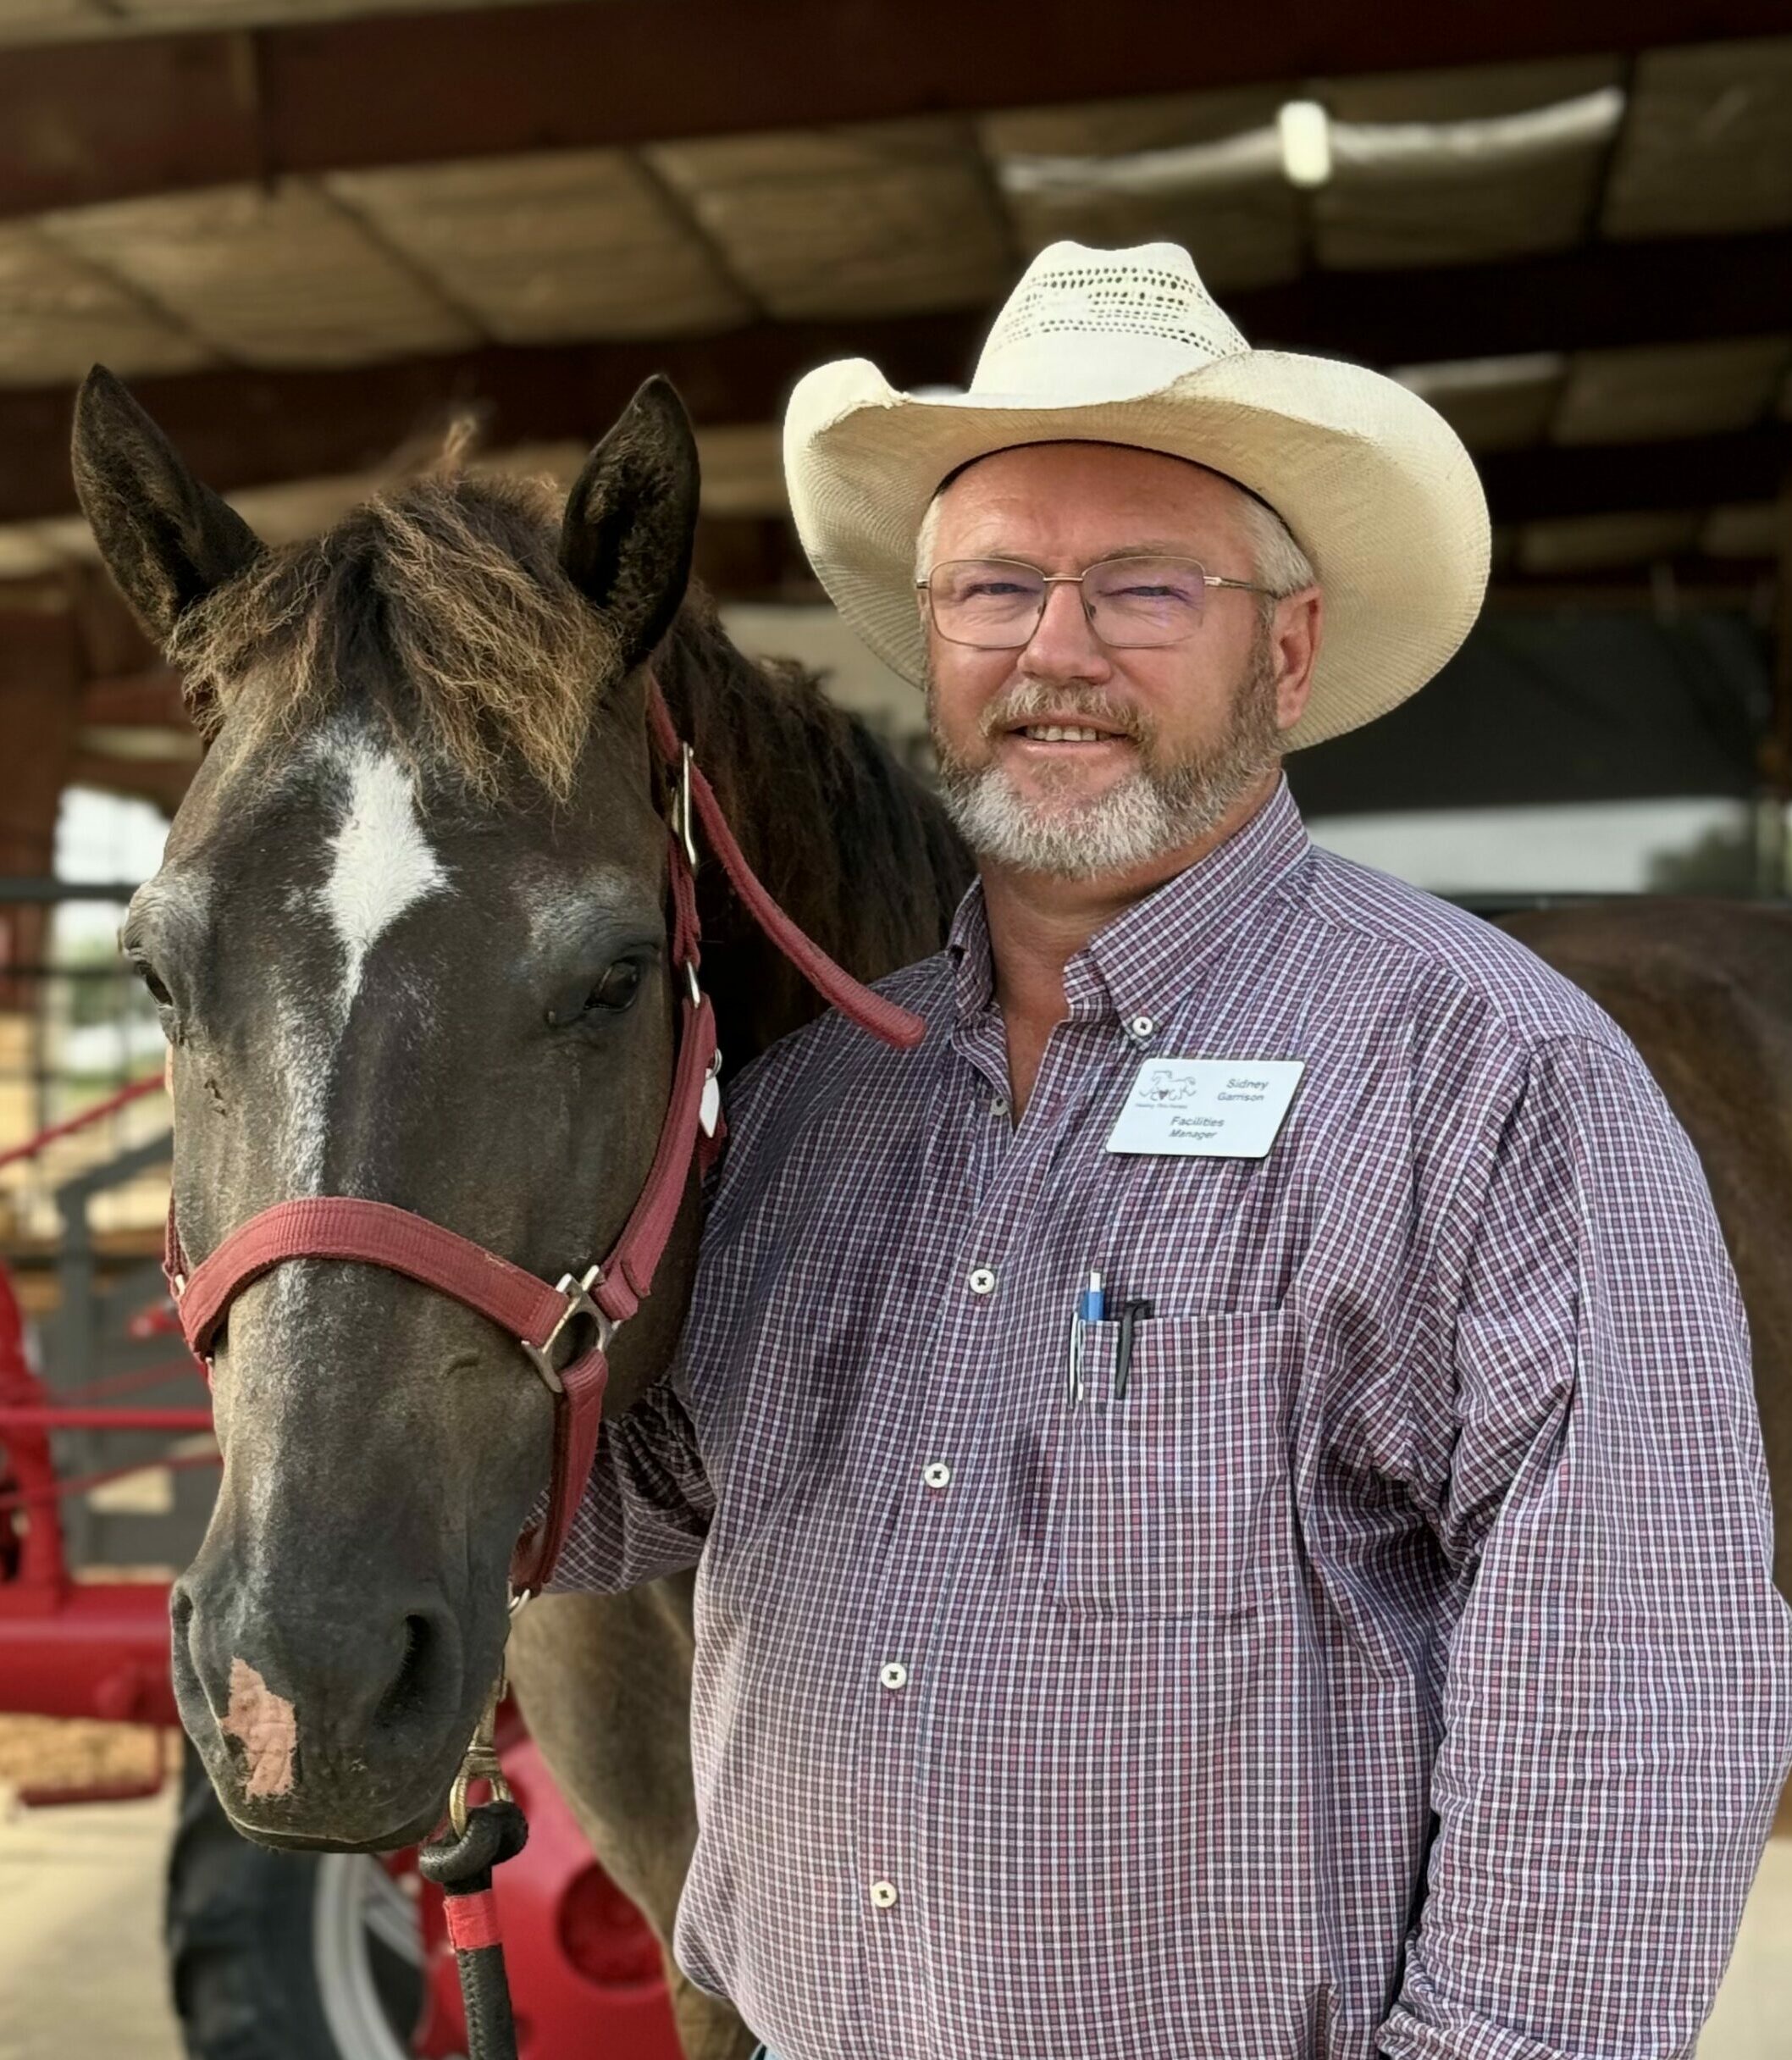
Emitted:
pixel 460 1863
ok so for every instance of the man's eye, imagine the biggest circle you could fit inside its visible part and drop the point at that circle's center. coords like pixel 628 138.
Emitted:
pixel 617 988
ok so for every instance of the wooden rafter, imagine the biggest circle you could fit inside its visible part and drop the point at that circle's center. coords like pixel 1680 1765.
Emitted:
pixel 99 121
pixel 242 427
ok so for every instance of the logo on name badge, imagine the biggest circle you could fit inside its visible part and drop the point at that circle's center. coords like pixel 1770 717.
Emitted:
pixel 1206 1108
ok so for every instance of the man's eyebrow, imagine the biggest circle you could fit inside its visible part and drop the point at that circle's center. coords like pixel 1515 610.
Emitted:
pixel 1140 547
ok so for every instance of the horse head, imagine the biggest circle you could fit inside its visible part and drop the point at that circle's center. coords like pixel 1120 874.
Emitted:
pixel 409 944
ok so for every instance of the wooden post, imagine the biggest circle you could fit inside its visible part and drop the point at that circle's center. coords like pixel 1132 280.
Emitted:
pixel 1776 754
pixel 41 668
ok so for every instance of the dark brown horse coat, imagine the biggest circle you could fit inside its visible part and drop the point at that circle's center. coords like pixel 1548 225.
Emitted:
pixel 1704 990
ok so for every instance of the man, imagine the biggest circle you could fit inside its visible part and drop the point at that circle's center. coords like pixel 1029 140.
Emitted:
pixel 1231 1515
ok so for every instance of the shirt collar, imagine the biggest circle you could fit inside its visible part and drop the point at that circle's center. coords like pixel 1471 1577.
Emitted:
pixel 1137 965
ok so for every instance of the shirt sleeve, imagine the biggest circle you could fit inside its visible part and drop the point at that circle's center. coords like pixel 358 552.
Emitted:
pixel 1617 1699
pixel 647 1508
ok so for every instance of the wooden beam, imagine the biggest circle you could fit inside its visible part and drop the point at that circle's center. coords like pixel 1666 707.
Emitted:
pixel 250 429
pixel 149 700
pixel 1777 748
pixel 1698 584
pixel 1561 481
pixel 102 120
pixel 245 428
pixel 39 679
pixel 1601 295
pixel 162 782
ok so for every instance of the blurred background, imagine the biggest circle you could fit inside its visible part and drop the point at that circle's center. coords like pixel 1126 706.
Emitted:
pixel 311 233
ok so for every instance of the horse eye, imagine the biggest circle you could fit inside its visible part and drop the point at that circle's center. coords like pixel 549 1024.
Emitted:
pixel 617 987
pixel 157 993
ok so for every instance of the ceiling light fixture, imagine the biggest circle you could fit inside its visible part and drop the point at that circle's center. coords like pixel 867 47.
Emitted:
pixel 1306 140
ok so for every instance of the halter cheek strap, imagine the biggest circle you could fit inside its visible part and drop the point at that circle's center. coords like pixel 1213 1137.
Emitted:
pixel 600 1300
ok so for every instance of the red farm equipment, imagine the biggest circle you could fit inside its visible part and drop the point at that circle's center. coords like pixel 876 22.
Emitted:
pixel 331 1957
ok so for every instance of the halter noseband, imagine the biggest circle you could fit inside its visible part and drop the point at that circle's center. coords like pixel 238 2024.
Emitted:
pixel 606 1295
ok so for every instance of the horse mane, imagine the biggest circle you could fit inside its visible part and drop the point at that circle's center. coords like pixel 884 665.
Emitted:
pixel 486 656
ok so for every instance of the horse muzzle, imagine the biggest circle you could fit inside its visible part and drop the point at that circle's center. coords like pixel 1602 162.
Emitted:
pixel 334 1727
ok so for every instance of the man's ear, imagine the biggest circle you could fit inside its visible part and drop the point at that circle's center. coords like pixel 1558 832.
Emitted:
pixel 631 520
pixel 1294 636
pixel 166 538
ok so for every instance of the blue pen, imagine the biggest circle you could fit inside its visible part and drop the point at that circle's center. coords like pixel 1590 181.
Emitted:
pixel 1089 1305
pixel 1094 1302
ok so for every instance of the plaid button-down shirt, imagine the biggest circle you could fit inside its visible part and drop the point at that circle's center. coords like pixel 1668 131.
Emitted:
pixel 1393 1668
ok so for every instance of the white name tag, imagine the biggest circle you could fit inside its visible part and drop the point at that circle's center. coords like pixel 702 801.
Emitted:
pixel 1207 1108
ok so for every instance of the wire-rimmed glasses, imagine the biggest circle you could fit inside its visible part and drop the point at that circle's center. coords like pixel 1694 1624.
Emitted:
pixel 1137 602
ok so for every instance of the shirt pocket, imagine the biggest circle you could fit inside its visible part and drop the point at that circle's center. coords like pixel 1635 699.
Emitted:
pixel 1163 1500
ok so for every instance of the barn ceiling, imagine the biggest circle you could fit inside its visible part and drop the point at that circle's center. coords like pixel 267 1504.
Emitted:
pixel 309 239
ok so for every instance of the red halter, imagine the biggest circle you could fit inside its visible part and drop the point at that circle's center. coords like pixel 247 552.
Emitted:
pixel 607 1294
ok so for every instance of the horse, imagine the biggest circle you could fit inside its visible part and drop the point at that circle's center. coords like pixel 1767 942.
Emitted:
pixel 1703 988
pixel 409 943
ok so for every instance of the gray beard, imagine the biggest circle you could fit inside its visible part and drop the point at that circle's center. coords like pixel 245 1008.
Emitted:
pixel 1156 809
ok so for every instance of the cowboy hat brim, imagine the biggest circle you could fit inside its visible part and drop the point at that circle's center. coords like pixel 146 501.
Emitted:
pixel 1375 486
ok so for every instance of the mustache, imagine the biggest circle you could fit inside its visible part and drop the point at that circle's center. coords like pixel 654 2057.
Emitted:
pixel 1029 699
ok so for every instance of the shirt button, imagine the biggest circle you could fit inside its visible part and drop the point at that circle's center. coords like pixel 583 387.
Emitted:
pixel 893 1674
pixel 937 1474
pixel 883 1895
pixel 1140 1026
pixel 982 1280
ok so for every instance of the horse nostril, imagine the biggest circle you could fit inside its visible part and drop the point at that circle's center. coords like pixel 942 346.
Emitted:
pixel 418 1684
pixel 180 1611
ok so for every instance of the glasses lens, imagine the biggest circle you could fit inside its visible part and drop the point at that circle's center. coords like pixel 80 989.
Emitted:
pixel 985 601
pixel 1142 601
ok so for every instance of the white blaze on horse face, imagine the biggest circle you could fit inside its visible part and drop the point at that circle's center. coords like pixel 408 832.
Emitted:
pixel 380 864
pixel 383 862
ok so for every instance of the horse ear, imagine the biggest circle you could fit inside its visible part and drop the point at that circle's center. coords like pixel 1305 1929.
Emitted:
pixel 166 538
pixel 632 518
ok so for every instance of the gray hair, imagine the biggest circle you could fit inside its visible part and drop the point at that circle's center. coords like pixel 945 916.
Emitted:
pixel 928 536
pixel 1278 562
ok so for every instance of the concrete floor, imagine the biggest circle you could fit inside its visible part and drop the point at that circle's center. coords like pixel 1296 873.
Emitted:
pixel 80 1933
pixel 81 1964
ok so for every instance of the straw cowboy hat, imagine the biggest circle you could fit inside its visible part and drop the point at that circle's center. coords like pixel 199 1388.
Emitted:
pixel 1128 347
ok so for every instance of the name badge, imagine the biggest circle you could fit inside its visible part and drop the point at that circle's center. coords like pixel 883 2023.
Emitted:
pixel 1207 1108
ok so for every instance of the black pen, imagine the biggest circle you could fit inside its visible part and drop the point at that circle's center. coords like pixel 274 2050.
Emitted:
pixel 1130 1313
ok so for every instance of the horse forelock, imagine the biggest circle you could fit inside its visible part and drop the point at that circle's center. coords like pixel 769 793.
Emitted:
pixel 443 604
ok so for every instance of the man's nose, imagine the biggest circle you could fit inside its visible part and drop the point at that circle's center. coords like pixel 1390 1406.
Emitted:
pixel 1064 646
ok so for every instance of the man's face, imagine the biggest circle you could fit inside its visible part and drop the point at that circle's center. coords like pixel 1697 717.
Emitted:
pixel 1182 731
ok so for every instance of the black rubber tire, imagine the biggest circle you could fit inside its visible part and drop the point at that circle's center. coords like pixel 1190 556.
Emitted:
pixel 238 1926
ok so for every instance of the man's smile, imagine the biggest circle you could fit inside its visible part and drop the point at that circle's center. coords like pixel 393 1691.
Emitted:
pixel 1057 750
pixel 1061 736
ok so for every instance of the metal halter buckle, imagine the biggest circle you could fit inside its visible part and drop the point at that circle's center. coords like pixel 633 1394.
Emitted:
pixel 480 1763
pixel 578 1304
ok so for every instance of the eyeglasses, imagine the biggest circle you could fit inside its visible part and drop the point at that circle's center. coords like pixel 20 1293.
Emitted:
pixel 1132 603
